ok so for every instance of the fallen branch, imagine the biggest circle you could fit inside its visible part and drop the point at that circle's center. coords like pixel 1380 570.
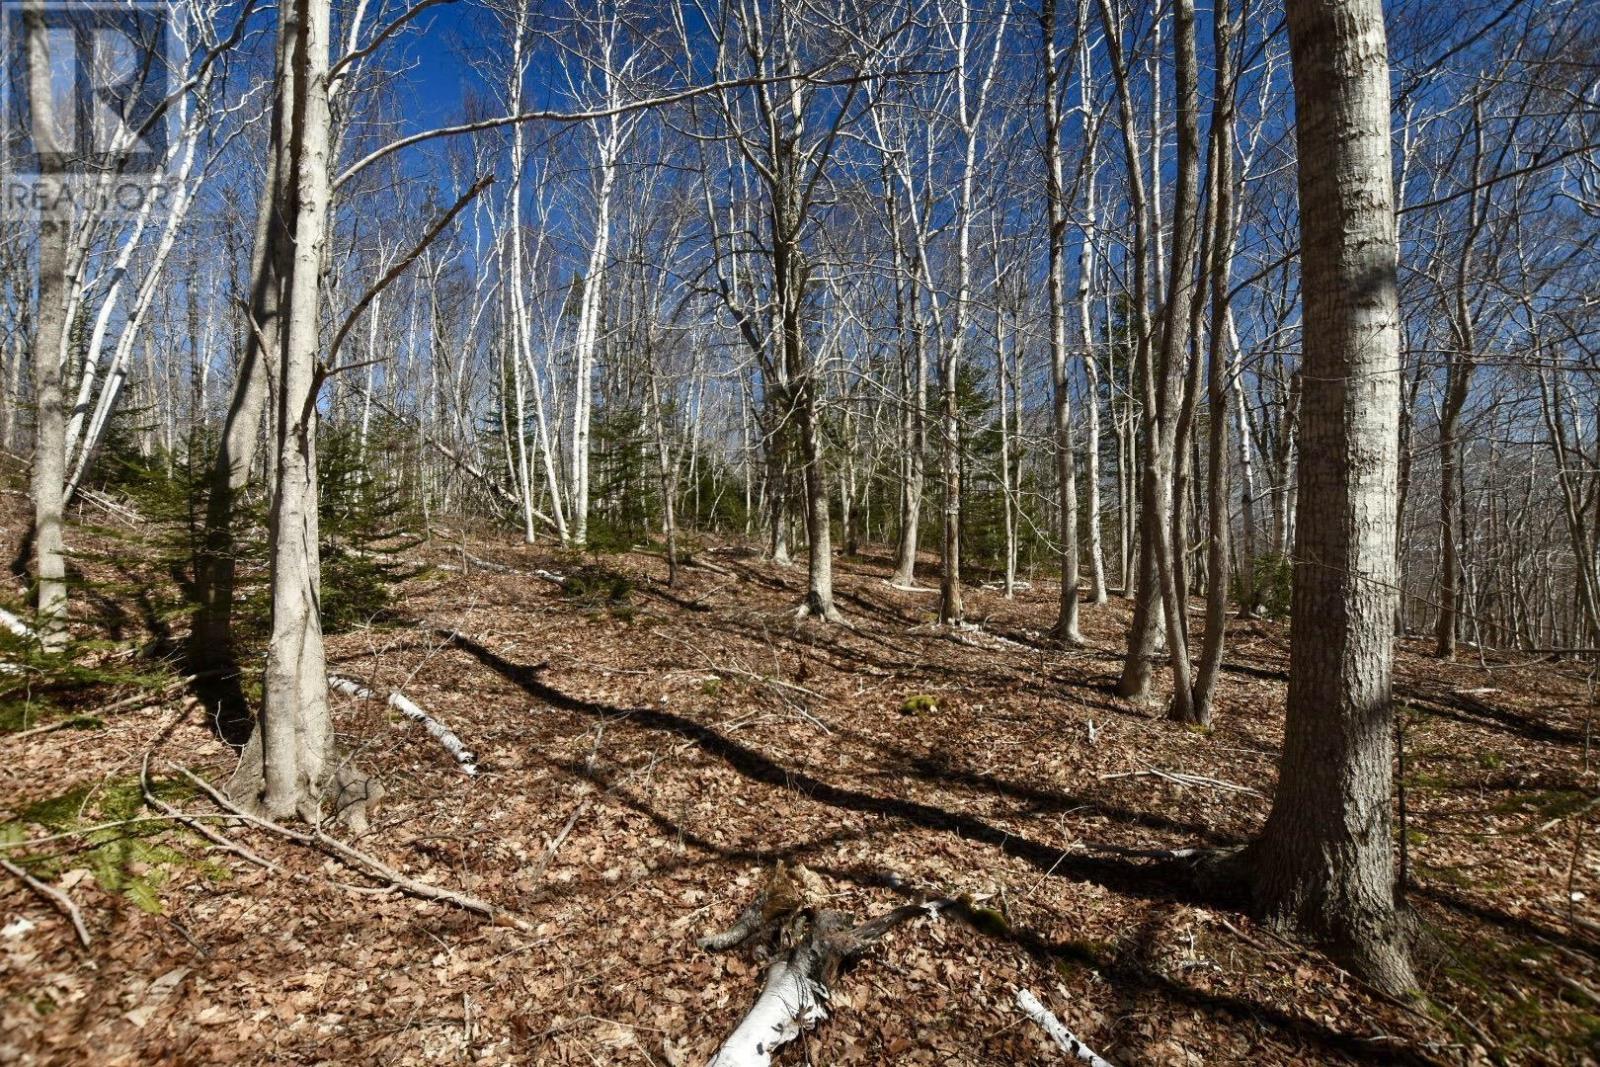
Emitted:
pixel 560 839
pixel 1180 778
pixel 22 630
pixel 1063 1037
pixel 1142 853
pixel 490 565
pixel 15 625
pixel 707 565
pixel 909 588
pixel 62 902
pixel 359 860
pixel 125 514
pixel 555 579
pixel 136 701
pixel 464 756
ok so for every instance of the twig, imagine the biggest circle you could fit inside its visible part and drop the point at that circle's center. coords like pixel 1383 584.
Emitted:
pixel 136 700
pixel 1181 778
pixel 115 824
pixel 560 839
pixel 194 823
pixel 1575 813
pixel 62 902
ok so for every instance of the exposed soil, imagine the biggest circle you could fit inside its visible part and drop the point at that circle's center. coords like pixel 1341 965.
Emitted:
pixel 695 735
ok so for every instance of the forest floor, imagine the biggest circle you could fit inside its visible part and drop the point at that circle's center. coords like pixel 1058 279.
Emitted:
pixel 670 744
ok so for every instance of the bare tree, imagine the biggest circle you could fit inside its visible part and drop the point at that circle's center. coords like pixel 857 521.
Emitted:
pixel 288 764
pixel 49 442
pixel 1056 196
pixel 1323 860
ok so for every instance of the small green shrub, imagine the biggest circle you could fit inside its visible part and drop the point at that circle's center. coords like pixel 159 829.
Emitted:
pixel 598 586
pixel 1274 585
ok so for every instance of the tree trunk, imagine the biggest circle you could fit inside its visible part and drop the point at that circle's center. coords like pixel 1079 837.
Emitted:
pixel 1086 268
pixel 1250 596
pixel 211 637
pixel 667 469
pixel 950 608
pixel 1175 351
pixel 50 431
pixel 1003 387
pixel 915 423
pixel 288 765
pixel 587 344
pixel 1066 629
pixel 1218 518
pixel 1134 683
pixel 1459 375
pixel 1323 860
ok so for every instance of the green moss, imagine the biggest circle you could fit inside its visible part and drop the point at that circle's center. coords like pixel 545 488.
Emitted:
pixel 919 704
pixel 1081 954
pixel 711 686
pixel 1448 875
pixel 1520 1023
pixel 19 715
pixel 1490 761
pixel 985 920
pixel 1421 782
pixel 605 592
pixel 1546 803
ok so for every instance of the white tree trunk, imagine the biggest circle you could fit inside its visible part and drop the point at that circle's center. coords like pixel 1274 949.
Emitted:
pixel 288 764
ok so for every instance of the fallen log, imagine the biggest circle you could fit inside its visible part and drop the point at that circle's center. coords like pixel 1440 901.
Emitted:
pixel 1182 778
pixel 1065 1039
pixel 20 629
pixel 15 625
pixel 490 565
pixel 464 757
pixel 794 993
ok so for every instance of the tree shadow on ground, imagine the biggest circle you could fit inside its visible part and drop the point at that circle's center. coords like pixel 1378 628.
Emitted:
pixel 1122 970
pixel 1156 881
pixel 1486 717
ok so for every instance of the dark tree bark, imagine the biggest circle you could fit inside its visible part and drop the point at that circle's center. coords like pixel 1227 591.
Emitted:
pixel 1066 476
pixel 1218 518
